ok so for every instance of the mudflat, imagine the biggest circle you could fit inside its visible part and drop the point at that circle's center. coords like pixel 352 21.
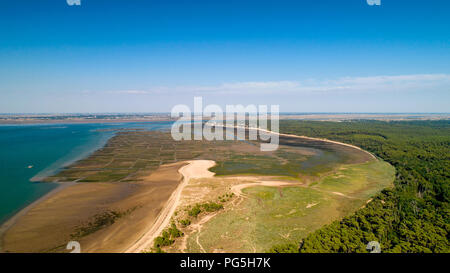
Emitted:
pixel 117 194
pixel 103 217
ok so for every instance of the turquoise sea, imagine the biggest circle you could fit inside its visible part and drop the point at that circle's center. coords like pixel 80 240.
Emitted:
pixel 31 152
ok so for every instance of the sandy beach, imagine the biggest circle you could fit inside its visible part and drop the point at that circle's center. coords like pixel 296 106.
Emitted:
pixel 302 137
pixel 49 224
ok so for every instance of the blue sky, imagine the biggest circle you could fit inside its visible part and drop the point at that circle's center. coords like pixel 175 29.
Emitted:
pixel 147 56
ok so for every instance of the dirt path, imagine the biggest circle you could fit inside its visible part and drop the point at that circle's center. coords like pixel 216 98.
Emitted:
pixel 304 137
pixel 198 228
pixel 195 169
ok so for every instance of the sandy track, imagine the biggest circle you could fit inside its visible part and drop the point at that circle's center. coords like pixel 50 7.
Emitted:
pixel 303 137
pixel 199 169
pixel 195 169
pixel 198 228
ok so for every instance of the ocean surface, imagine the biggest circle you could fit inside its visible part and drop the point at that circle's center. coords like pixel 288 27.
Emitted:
pixel 30 152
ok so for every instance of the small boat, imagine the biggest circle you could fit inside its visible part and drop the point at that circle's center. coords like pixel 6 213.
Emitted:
pixel 30 166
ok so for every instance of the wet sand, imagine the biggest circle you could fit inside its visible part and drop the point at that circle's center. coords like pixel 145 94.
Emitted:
pixel 145 208
pixel 48 225
pixel 195 169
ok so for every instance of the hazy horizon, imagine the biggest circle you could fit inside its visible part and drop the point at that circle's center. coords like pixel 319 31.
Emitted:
pixel 282 113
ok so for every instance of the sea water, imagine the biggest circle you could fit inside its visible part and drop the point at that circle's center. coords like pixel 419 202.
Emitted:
pixel 29 153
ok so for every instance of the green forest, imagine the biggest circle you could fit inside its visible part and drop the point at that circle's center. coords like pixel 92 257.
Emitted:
pixel 411 217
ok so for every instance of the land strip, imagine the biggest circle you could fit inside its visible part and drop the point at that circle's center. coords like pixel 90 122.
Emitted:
pixel 194 169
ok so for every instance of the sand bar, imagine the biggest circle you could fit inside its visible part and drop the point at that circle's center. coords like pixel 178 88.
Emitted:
pixel 195 169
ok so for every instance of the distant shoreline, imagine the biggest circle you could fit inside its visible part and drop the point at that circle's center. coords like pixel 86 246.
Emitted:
pixel 77 121
pixel 9 222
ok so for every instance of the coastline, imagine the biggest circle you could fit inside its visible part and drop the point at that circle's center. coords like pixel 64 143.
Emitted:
pixel 302 137
pixel 194 169
pixel 164 215
pixel 83 150
pixel 67 160
pixel 69 151
pixel 8 223
pixel 77 121
pixel 330 141
pixel 57 216
pixel 71 158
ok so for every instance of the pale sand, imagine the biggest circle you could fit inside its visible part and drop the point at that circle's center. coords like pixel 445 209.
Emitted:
pixel 195 169
pixel 47 226
pixel 311 205
pixel 222 185
pixel 143 241
pixel 245 181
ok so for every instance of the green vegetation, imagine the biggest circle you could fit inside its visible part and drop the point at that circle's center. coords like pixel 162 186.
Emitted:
pixel 289 161
pixel 287 248
pixel 208 207
pixel 226 197
pixel 295 158
pixel 167 238
pixel 185 222
pixel 169 235
pixel 131 155
pixel 270 216
pixel 163 240
pixel 196 210
pixel 411 217
pixel 211 207
pixel 174 232
pixel 284 215
pixel 360 181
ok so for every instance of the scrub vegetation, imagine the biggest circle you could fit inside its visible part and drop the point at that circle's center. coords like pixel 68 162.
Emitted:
pixel 411 217
pixel 269 216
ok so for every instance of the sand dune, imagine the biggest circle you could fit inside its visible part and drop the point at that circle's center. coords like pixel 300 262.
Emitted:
pixel 195 169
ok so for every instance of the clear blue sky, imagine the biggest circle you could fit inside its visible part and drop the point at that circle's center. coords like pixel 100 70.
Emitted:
pixel 147 56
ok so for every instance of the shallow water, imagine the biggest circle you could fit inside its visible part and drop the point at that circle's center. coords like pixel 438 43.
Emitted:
pixel 31 152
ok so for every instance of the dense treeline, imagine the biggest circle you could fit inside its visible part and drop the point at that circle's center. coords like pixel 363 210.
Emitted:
pixel 411 217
